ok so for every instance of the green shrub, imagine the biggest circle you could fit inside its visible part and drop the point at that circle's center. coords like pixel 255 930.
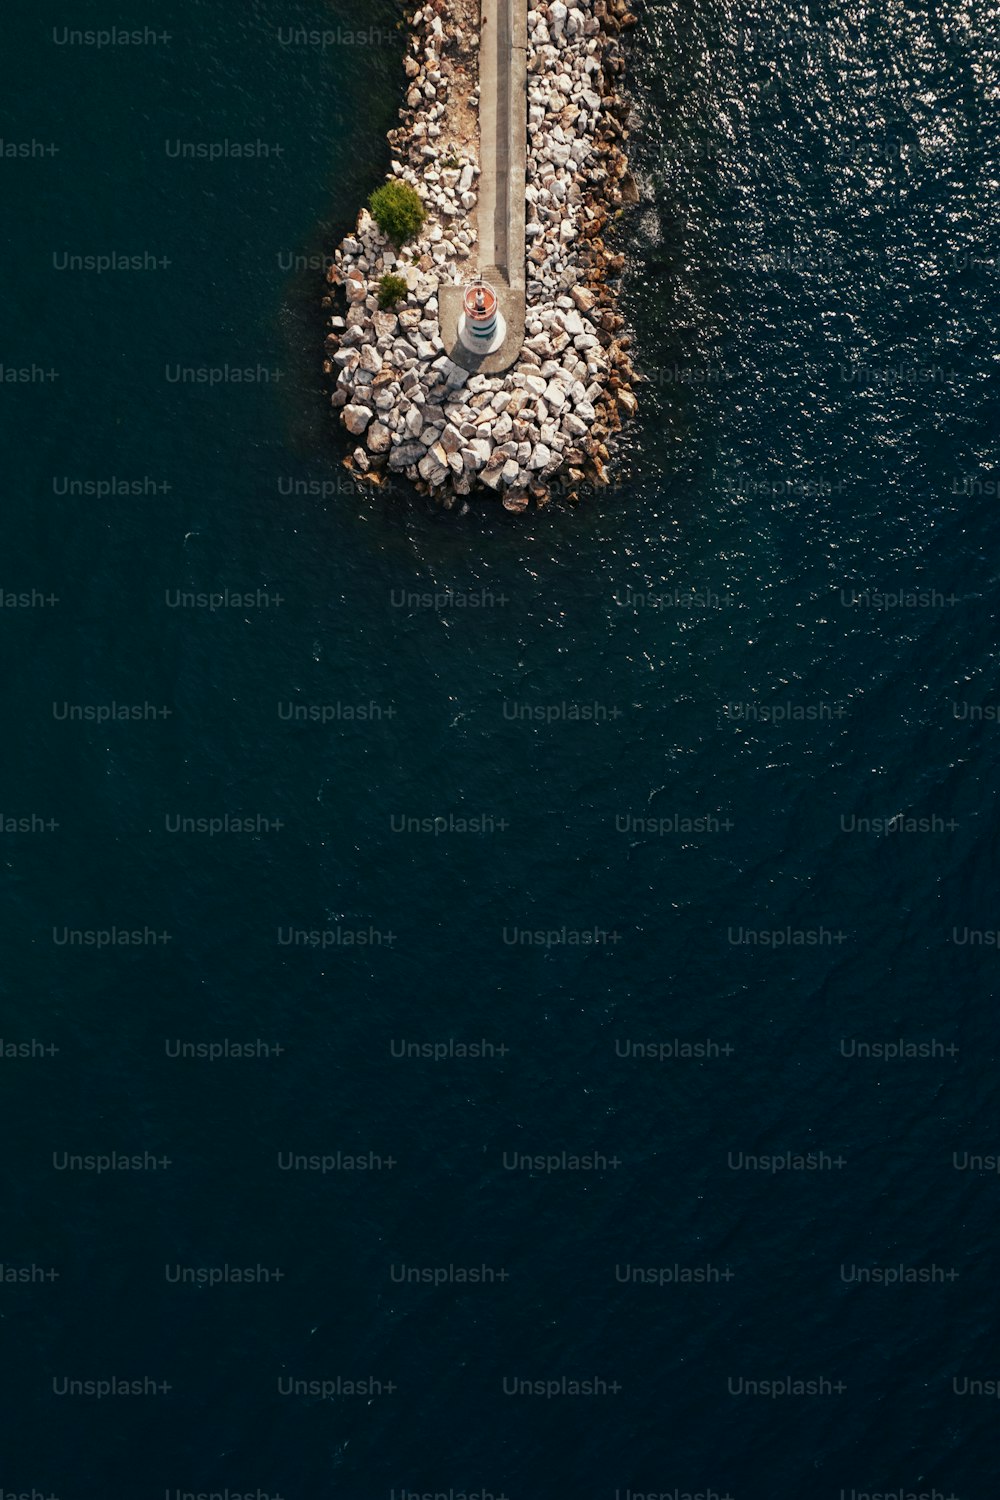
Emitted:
pixel 398 210
pixel 391 289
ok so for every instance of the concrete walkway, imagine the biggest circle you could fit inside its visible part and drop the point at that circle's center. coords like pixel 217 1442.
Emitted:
pixel 503 150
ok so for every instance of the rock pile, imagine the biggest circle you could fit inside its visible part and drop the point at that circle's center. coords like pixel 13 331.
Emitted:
pixel 547 422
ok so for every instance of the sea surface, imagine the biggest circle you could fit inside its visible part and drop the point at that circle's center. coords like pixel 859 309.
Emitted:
pixel 670 1167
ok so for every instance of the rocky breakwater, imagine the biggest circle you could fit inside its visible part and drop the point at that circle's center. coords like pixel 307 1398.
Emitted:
pixel 548 422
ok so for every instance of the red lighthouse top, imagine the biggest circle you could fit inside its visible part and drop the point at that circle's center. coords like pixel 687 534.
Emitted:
pixel 480 301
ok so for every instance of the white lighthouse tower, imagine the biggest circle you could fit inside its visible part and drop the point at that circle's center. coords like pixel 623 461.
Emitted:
pixel 481 326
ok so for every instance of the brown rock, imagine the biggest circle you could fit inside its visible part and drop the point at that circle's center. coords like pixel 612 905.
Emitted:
pixel 629 190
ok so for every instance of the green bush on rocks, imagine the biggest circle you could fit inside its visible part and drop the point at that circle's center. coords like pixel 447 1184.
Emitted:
pixel 391 289
pixel 398 210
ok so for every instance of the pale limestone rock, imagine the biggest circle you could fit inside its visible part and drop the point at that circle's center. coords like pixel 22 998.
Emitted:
pixel 431 469
pixel 356 418
pixel 477 454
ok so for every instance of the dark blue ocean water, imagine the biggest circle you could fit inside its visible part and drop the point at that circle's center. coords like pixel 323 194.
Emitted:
pixel 812 283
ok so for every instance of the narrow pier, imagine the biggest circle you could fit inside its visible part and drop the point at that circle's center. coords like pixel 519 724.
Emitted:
pixel 503 151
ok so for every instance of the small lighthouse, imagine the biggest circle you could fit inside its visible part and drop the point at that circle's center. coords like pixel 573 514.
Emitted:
pixel 481 327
